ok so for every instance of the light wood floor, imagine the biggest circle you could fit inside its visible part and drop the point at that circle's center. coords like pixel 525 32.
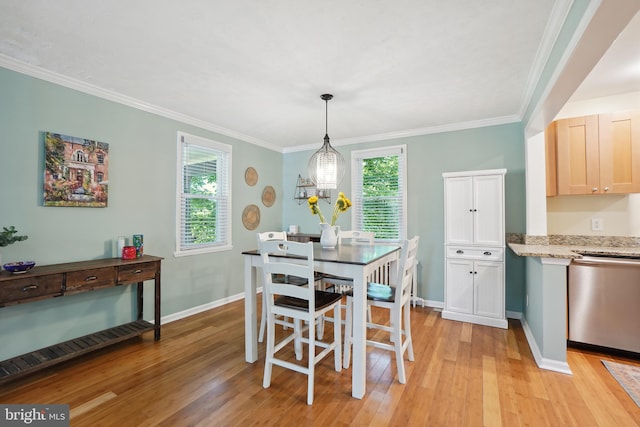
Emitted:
pixel 463 375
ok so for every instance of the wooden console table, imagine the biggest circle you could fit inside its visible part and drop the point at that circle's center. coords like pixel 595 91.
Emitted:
pixel 59 280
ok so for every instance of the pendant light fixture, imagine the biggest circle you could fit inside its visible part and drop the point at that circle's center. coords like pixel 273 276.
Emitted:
pixel 326 166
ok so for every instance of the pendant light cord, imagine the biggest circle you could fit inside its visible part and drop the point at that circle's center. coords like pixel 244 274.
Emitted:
pixel 326 117
pixel 326 97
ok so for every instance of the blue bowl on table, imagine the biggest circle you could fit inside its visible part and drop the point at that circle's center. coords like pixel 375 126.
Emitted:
pixel 19 266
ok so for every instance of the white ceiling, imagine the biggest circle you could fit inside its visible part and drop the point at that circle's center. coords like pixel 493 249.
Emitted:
pixel 618 71
pixel 255 69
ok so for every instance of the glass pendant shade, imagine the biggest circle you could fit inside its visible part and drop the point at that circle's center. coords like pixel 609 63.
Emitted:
pixel 326 166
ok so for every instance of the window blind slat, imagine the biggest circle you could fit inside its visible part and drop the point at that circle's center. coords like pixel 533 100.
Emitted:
pixel 204 198
pixel 378 183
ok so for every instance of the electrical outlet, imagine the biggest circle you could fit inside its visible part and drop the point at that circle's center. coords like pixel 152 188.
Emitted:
pixel 597 224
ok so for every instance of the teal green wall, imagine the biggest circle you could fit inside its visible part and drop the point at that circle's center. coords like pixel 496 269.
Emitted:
pixel 534 289
pixel 546 314
pixel 142 188
pixel 428 157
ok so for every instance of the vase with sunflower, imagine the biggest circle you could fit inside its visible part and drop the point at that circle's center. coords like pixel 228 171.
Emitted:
pixel 329 232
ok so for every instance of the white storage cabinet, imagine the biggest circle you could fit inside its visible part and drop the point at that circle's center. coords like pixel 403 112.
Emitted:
pixel 474 247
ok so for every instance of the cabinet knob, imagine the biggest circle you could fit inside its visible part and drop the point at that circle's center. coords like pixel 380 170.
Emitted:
pixel 487 253
pixel 459 251
pixel 606 188
pixel 594 189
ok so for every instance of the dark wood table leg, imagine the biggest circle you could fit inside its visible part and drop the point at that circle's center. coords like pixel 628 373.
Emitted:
pixel 157 305
pixel 140 300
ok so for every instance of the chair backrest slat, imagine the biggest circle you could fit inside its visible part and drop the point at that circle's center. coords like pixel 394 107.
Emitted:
pixel 272 253
pixel 356 237
pixel 271 235
pixel 406 268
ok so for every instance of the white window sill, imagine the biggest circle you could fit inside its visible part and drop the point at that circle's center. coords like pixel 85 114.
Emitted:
pixel 202 251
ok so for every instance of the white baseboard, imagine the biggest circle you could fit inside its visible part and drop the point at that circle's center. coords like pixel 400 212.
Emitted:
pixel 480 320
pixel 427 302
pixel 199 309
pixel 514 315
pixel 543 363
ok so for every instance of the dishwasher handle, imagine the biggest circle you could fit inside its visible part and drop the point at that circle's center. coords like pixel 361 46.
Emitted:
pixel 591 260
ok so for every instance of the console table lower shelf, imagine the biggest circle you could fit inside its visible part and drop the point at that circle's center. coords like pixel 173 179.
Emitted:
pixel 58 353
pixel 53 281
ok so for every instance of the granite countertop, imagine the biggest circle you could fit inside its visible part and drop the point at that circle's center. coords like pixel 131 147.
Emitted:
pixel 571 247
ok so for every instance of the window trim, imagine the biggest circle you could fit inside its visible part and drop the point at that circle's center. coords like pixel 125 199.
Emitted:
pixel 399 150
pixel 214 145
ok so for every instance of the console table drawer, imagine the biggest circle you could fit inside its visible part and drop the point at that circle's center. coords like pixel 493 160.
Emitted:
pixel 137 272
pixel 30 289
pixel 88 280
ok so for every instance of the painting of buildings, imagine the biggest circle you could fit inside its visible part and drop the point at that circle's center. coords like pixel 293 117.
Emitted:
pixel 75 172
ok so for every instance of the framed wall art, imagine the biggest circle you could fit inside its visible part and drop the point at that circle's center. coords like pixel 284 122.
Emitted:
pixel 76 171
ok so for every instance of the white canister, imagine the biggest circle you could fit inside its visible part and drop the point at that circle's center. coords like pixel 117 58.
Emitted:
pixel 120 245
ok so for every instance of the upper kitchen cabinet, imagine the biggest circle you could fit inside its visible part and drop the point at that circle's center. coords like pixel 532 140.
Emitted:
pixel 619 152
pixel 474 213
pixel 550 160
pixel 598 154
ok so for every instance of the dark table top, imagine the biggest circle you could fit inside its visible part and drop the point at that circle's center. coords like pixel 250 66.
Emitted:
pixel 346 254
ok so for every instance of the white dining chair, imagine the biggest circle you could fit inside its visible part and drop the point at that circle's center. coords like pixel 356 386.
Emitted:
pixel 353 237
pixel 304 304
pixel 280 235
pixel 395 298
pixel 343 285
pixel 262 237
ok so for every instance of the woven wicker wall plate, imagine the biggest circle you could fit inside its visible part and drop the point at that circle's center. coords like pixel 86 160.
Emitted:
pixel 268 196
pixel 251 176
pixel 251 217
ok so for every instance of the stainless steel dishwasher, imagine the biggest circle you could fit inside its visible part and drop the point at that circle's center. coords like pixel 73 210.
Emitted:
pixel 604 302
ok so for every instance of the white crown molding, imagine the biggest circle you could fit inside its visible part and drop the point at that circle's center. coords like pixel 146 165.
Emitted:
pixel 530 127
pixel 495 121
pixel 550 35
pixel 59 79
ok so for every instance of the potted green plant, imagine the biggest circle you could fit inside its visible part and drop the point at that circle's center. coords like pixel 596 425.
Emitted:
pixel 9 236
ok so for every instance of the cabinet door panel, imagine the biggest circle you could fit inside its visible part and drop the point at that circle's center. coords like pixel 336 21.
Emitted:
pixel 488 289
pixel 488 216
pixel 459 286
pixel 459 210
pixel 578 155
pixel 620 152
pixel 551 167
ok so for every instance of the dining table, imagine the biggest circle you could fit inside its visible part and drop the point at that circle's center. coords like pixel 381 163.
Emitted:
pixel 361 263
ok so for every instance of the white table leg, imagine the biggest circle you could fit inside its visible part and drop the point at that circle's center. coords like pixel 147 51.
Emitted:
pixel 359 353
pixel 250 312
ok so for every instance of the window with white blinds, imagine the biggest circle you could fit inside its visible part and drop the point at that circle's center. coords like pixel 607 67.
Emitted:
pixel 203 199
pixel 378 184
